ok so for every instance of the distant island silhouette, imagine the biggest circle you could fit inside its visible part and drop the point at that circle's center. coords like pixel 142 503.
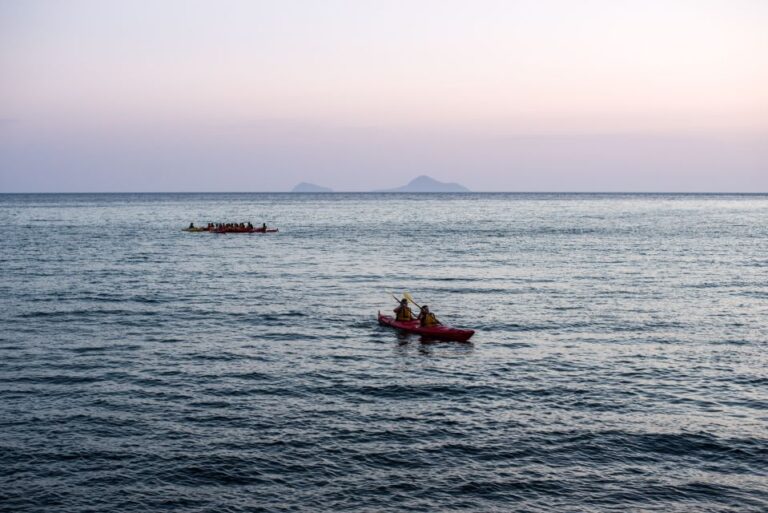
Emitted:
pixel 310 187
pixel 425 183
pixel 421 183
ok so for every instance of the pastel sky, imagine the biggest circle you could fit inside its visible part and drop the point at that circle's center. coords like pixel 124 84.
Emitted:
pixel 507 95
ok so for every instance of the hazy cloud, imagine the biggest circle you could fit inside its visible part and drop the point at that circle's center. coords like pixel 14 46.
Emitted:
pixel 494 94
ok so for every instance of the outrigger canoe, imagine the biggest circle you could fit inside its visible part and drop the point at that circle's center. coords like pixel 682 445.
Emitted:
pixel 437 332
pixel 231 230
pixel 246 230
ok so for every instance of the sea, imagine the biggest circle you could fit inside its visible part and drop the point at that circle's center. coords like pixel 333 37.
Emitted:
pixel 619 364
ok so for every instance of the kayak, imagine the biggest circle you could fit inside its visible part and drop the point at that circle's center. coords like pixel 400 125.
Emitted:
pixel 438 332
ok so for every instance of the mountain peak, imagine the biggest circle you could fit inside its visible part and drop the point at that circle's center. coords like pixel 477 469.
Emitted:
pixel 310 187
pixel 423 179
pixel 424 183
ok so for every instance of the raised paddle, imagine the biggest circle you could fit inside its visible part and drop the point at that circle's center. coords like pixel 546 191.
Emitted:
pixel 395 298
pixel 407 295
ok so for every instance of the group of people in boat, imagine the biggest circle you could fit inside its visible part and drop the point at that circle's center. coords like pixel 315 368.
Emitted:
pixel 228 227
pixel 403 313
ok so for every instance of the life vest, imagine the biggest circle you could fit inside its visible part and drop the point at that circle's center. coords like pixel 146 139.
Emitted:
pixel 429 320
pixel 403 314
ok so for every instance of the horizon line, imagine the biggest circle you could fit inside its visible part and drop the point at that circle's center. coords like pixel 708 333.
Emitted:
pixel 761 193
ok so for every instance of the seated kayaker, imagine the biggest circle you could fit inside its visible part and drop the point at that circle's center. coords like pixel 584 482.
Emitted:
pixel 402 312
pixel 427 319
pixel 250 226
pixel 191 226
pixel 264 227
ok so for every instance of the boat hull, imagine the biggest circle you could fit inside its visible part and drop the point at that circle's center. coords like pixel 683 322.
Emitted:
pixel 435 332
pixel 254 230
pixel 219 230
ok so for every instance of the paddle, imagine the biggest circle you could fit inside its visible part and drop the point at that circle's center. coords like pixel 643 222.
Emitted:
pixel 407 295
pixel 398 300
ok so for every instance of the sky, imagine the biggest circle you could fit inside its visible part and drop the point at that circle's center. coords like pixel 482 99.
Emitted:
pixel 507 95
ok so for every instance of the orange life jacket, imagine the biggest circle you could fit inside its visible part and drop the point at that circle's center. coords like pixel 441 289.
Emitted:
pixel 429 320
pixel 403 314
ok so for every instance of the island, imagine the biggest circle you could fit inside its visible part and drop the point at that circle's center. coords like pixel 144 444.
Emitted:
pixel 310 187
pixel 425 183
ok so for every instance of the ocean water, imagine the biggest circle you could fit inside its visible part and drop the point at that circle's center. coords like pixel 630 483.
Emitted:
pixel 619 362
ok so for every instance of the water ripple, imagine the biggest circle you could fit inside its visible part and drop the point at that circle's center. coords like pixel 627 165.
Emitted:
pixel 618 364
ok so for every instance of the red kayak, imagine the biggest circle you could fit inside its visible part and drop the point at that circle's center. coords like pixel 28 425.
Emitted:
pixel 438 332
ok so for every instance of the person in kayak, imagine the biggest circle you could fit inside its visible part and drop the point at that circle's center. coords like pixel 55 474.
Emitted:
pixel 426 318
pixel 402 312
pixel 191 226
pixel 264 227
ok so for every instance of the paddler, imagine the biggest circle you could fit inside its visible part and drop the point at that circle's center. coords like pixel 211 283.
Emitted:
pixel 426 318
pixel 191 226
pixel 402 312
